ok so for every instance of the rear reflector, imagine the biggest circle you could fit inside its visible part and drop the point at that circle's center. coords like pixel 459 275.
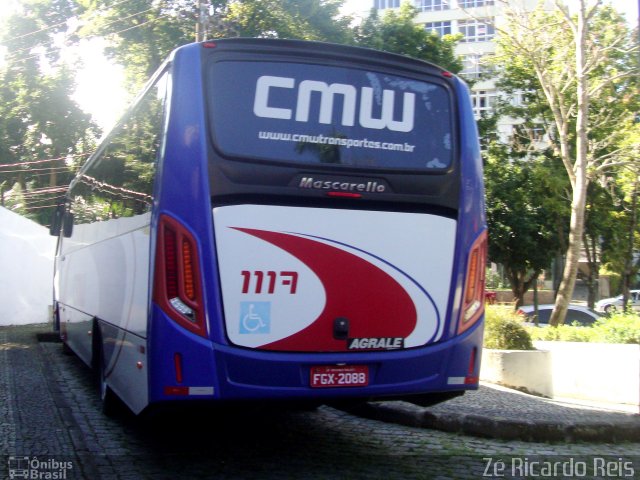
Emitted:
pixel 175 390
pixel 471 377
pixel 177 362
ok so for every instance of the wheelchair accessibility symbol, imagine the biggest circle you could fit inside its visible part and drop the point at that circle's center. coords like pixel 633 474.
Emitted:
pixel 255 317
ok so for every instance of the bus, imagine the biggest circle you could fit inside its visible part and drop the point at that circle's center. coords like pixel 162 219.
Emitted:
pixel 279 220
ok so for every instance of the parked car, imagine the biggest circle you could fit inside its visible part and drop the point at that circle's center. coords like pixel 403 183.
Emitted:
pixel 609 305
pixel 575 313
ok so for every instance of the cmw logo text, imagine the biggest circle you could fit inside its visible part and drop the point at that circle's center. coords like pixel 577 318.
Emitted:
pixel 266 83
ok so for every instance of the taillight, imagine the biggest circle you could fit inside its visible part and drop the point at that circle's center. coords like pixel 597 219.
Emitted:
pixel 473 295
pixel 177 284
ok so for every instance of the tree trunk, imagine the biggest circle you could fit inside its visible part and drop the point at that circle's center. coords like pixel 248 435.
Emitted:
pixel 628 274
pixel 565 292
pixel 591 249
pixel 580 175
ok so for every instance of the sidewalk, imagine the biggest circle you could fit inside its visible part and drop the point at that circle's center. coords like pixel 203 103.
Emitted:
pixel 497 412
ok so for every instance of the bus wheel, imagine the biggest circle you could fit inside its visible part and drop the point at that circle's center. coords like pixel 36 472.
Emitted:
pixel 109 400
pixel 66 349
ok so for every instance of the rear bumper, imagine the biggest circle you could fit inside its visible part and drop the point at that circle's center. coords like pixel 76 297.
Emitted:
pixel 220 372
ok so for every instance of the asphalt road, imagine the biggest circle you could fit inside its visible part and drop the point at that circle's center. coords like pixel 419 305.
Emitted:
pixel 51 423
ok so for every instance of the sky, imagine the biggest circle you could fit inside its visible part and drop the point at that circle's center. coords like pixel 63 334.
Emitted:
pixel 100 90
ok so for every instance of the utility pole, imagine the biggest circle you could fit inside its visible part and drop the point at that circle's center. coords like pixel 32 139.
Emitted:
pixel 202 23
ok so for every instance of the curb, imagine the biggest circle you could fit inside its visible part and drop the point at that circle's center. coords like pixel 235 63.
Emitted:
pixel 498 428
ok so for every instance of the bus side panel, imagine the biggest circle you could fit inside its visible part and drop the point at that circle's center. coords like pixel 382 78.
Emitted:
pixel 471 218
pixel 183 194
pixel 76 330
pixel 104 271
pixel 103 274
pixel 181 366
pixel 125 365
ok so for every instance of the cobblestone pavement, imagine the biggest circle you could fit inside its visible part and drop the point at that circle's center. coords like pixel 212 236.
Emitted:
pixel 49 409
pixel 498 412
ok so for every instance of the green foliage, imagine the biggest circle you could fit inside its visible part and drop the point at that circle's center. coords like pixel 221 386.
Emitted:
pixel 397 32
pixel 42 130
pixel 523 210
pixel 582 113
pixel 146 31
pixel 503 329
pixel 493 280
pixel 618 328
pixel 295 19
pixel 141 33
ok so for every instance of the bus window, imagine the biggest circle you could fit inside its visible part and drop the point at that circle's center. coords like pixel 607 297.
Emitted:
pixel 314 114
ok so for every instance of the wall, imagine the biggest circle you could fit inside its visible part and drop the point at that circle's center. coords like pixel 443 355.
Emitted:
pixel 26 270
pixel 596 372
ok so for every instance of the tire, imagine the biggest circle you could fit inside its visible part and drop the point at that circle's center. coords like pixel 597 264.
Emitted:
pixel 109 400
pixel 609 309
pixel 66 349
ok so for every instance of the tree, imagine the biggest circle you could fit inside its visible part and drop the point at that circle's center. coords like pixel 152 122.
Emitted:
pixel 397 32
pixel 600 222
pixel 578 62
pixel 318 20
pixel 143 32
pixel 140 33
pixel 42 130
pixel 621 239
pixel 523 238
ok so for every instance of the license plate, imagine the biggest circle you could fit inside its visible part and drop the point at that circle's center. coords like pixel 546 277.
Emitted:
pixel 339 376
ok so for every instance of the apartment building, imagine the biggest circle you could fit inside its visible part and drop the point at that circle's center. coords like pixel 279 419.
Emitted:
pixel 476 20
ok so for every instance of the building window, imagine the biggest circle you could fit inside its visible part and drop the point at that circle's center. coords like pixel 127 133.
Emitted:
pixel 432 5
pixel 382 4
pixel 476 30
pixel 537 134
pixel 483 101
pixel 474 3
pixel 471 66
pixel 439 28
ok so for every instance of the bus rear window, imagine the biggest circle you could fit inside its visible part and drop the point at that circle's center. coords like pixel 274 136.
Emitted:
pixel 313 114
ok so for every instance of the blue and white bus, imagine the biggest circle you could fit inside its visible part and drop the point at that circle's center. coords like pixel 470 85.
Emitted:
pixel 279 220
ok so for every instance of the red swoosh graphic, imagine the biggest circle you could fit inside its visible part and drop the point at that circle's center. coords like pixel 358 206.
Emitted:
pixel 375 304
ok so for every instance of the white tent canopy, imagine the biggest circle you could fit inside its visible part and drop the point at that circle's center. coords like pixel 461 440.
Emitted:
pixel 26 270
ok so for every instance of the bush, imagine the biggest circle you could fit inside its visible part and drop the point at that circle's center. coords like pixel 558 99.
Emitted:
pixel 563 333
pixel 618 328
pixel 504 331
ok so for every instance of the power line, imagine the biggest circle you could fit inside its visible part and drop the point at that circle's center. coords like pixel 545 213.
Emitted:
pixel 45 190
pixel 50 169
pixel 44 29
pixel 33 162
pixel 12 58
